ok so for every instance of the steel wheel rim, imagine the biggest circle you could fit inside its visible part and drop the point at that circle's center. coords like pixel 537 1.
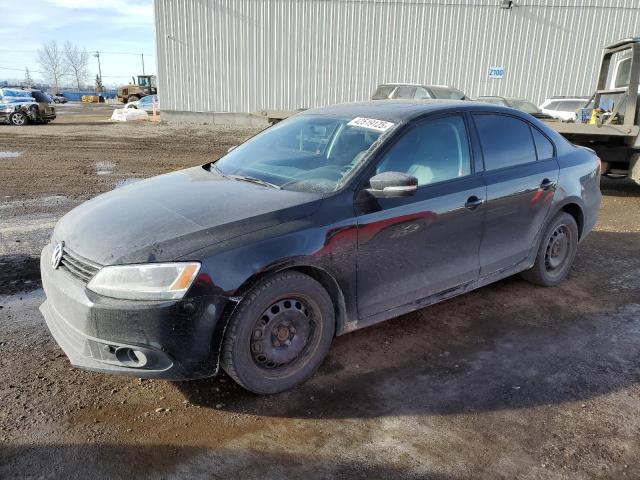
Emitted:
pixel 558 248
pixel 283 334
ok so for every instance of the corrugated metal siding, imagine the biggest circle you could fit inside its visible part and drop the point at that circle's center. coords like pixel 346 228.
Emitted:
pixel 246 55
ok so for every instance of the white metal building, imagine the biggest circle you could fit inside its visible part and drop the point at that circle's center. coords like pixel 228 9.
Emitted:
pixel 221 59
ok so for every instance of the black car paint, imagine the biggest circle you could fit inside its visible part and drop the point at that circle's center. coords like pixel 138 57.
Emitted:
pixel 347 240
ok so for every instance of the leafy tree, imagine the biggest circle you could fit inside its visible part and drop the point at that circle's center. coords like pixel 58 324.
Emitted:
pixel 99 87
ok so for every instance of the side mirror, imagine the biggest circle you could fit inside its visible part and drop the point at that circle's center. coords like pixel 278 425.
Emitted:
pixel 231 148
pixel 392 185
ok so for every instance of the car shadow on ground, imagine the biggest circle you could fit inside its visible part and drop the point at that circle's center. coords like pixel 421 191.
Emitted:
pixel 170 461
pixel 619 187
pixel 510 345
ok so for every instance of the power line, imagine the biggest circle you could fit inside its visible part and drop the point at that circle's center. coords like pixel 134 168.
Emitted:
pixel 88 51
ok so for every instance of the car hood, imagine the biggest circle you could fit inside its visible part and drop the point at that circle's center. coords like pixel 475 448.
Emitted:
pixel 172 215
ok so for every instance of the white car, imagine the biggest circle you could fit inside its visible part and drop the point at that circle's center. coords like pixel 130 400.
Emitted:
pixel 145 103
pixel 563 108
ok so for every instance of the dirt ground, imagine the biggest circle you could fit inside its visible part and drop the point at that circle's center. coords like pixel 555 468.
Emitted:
pixel 510 381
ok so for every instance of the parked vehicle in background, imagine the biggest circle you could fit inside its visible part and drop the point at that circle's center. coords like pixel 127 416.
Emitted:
pixel 20 106
pixel 563 108
pixel 145 85
pixel 518 103
pixel 417 92
pixel 609 123
pixel 332 220
pixel 57 98
pixel 145 103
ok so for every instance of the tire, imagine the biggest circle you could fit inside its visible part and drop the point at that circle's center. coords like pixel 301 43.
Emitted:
pixel 286 307
pixel 18 119
pixel 556 252
pixel 133 98
pixel 55 100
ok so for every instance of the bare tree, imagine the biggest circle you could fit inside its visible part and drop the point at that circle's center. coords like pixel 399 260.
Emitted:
pixel 77 62
pixel 28 82
pixel 51 60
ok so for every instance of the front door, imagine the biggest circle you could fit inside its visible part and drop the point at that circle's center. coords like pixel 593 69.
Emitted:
pixel 413 247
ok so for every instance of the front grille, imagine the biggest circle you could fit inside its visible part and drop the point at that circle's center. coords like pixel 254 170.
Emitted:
pixel 78 266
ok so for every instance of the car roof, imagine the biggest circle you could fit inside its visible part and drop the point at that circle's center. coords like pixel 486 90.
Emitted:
pixel 393 84
pixel 398 110
pixel 561 97
pixel 506 98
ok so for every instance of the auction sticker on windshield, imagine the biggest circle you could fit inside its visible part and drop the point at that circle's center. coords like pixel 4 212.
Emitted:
pixel 371 124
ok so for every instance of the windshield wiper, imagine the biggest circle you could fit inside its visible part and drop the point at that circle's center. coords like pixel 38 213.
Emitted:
pixel 217 169
pixel 245 178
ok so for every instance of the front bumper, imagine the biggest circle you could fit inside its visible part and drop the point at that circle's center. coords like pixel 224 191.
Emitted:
pixel 173 340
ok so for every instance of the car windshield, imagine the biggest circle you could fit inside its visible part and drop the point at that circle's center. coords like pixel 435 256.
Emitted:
pixel 305 152
pixel 524 106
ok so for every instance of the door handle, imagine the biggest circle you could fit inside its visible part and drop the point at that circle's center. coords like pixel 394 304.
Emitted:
pixel 547 184
pixel 473 202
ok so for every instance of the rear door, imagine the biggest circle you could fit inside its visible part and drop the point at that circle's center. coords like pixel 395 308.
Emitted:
pixel 521 173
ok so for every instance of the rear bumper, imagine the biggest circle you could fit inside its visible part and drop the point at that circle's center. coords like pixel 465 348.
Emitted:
pixel 173 340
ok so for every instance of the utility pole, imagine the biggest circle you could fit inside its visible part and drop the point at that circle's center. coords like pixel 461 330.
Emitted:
pixel 142 56
pixel 97 55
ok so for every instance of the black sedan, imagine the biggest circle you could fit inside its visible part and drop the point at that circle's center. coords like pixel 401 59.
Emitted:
pixel 330 221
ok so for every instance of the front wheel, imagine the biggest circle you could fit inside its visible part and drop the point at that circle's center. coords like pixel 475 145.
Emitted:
pixel 18 119
pixel 556 252
pixel 279 334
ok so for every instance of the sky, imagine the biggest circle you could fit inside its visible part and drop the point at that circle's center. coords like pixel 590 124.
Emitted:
pixel 124 27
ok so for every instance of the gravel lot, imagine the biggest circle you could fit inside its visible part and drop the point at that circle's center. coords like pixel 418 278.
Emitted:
pixel 510 381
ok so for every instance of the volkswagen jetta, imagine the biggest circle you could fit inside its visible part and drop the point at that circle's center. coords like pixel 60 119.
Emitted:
pixel 332 220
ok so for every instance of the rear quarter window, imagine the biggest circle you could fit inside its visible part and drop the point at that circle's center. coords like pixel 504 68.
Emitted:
pixel 544 147
pixel 506 141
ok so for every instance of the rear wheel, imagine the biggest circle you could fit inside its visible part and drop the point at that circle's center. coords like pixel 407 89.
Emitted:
pixel 556 253
pixel 18 119
pixel 279 334
pixel 133 98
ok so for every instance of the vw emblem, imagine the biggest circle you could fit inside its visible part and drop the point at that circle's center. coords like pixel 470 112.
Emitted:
pixel 56 256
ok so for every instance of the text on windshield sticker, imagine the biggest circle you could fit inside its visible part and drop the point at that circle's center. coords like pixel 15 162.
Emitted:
pixel 371 124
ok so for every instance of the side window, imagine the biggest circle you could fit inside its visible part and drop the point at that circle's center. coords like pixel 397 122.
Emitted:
pixel 543 146
pixel 404 92
pixel 433 151
pixel 506 141
pixel 421 94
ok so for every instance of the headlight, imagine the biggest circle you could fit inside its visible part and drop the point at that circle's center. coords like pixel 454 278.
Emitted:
pixel 151 281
